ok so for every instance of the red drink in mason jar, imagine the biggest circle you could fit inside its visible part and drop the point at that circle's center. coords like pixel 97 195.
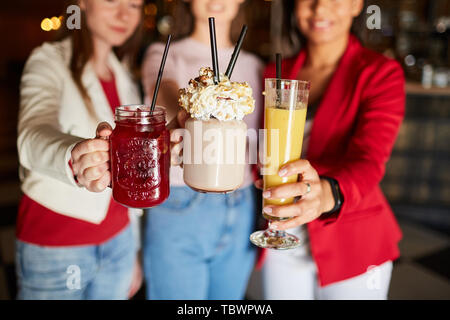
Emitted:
pixel 140 156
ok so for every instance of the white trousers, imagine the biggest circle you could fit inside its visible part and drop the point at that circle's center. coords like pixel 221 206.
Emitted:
pixel 292 275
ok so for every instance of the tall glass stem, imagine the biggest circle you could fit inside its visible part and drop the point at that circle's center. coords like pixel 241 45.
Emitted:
pixel 276 233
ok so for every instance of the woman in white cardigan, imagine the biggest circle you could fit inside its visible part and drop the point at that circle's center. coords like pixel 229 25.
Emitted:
pixel 73 240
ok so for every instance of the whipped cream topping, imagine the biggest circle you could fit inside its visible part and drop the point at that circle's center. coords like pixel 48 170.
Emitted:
pixel 228 100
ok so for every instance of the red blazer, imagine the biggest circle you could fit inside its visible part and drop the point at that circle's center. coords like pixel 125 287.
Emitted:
pixel 353 133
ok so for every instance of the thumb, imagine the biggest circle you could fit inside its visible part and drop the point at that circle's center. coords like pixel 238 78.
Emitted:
pixel 104 130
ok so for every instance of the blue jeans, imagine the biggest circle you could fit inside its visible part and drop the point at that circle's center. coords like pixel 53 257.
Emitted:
pixel 76 272
pixel 196 245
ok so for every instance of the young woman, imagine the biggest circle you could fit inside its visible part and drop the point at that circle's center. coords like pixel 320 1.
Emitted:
pixel 196 245
pixel 73 240
pixel 356 106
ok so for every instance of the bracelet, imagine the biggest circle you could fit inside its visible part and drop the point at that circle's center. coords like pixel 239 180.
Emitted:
pixel 336 194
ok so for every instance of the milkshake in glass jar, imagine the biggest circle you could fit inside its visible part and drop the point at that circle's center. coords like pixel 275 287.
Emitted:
pixel 140 156
pixel 215 140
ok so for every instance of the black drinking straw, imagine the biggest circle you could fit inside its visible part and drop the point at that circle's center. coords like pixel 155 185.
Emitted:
pixel 215 61
pixel 236 51
pixel 278 72
pixel 160 73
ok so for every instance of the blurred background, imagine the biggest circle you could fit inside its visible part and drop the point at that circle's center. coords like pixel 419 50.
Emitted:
pixel 417 180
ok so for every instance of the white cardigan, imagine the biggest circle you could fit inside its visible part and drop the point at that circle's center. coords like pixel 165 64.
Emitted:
pixel 53 118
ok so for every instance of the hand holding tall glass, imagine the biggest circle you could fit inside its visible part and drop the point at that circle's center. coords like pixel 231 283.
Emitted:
pixel 284 120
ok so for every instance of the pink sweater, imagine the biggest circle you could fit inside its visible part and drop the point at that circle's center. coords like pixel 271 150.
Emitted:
pixel 184 60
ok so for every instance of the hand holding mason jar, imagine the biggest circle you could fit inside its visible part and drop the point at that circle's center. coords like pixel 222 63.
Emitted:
pixel 90 160
pixel 134 158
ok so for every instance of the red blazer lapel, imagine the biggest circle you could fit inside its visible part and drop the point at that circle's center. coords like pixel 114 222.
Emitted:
pixel 297 65
pixel 335 101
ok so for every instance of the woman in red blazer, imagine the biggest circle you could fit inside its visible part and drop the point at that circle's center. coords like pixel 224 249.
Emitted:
pixel 356 106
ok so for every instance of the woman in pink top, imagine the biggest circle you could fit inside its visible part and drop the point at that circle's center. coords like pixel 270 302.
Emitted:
pixel 196 245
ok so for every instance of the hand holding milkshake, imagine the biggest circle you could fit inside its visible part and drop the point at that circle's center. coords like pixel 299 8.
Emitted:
pixel 216 136
pixel 215 140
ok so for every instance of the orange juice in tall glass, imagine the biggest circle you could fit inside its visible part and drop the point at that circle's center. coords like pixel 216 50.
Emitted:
pixel 284 120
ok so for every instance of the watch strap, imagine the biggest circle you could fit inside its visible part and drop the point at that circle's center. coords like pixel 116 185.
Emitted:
pixel 336 194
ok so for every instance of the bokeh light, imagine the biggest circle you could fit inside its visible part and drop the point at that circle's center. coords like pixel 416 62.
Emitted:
pixel 56 23
pixel 46 24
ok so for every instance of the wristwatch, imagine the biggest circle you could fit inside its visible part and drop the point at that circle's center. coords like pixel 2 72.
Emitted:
pixel 336 194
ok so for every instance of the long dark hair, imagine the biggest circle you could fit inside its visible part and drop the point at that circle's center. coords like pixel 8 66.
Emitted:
pixel 296 40
pixel 82 51
pixel 184 20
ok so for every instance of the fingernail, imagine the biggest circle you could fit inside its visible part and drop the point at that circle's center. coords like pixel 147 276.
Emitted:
pixel 282 172
pixel 267 194
pixel 267 209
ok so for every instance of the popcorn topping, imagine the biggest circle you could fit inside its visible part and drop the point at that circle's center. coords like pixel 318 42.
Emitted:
pixel 228 100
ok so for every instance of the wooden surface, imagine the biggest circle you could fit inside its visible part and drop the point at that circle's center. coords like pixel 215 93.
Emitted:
pixel 415 88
